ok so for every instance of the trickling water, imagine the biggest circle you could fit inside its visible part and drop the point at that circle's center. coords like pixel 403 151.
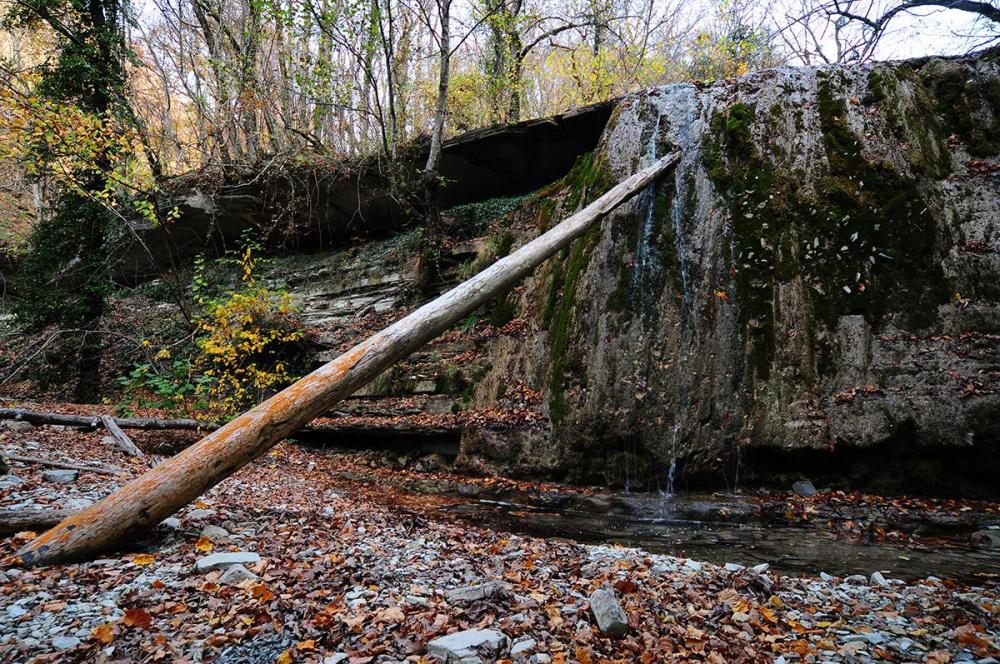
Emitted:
pixel 679 104
pixel 645 259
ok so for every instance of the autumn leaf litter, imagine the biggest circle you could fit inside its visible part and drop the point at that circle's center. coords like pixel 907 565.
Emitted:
pixel 357 572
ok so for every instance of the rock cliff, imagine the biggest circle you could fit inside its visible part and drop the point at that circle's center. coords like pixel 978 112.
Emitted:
pixel 814 289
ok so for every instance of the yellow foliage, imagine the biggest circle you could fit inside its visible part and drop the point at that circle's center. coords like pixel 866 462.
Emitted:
pixel 247 340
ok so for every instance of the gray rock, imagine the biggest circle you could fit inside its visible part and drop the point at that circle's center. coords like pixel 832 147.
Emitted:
pixel 10 481
pixel 16 425
pixel 473 593
pixel 16 611
pixel 856 580
pixel 215 533
pixel 804 488
pixel 77 503
pixel 199 515
pixel 733 567
pixel 469 643
pixel 336 658
pixel 879 580
pixel 825 577
pixel 523 648
pixel 225 561
pixel 173 523
pixel 237 575
pixel 610 616
pixel 65 642
pixel 60 476
pixel 760 569
pixel 986 539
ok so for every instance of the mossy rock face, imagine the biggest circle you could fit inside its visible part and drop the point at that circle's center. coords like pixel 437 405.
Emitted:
pixel 968 103
pixel 825 260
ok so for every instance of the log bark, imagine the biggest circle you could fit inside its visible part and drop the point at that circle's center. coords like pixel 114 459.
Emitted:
pixel 16 521
pixel 166 488
pixel 124 442
pixel 100 470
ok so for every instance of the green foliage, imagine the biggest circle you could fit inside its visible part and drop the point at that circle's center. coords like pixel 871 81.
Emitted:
pixel 173 386
pixel 473 219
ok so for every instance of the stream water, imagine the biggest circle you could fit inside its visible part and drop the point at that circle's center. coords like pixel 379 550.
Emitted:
pixel 721 529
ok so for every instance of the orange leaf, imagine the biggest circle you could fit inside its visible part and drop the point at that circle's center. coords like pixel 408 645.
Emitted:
pixel 104 633
pixel 583 656
pixel 204 544
pixel 261 592
pixel 158 584
pixel 137 618
pixel 143 559
pixel 306 645
pixel 284 658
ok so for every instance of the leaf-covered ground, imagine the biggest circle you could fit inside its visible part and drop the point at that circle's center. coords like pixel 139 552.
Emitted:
pixel 360 569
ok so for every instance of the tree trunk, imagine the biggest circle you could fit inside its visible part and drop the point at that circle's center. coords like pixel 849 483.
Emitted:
pixel 166 488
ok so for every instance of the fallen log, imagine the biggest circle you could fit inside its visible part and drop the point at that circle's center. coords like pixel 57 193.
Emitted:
pixel 100 470
pixel 163 490
pixel 123 442
pixel 91 422
pixel 16 521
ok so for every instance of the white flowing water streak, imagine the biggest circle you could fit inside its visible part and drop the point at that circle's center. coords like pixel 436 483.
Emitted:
pixel 645 259
pixel 679 104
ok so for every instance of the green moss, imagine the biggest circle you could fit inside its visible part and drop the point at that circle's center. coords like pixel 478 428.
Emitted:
pixel 562 320
pixel 866 244
pixel 969 105
pixel 912 118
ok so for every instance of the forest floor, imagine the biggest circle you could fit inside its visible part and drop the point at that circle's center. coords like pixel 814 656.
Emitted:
pixel 354 568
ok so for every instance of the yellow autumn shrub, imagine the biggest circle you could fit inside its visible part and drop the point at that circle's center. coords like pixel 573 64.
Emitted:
pixel 250 345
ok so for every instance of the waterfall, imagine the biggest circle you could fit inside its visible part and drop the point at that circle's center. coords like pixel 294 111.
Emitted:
pixel 645 259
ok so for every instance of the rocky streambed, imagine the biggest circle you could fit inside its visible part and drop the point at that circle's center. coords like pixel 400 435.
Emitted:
pixel 326 557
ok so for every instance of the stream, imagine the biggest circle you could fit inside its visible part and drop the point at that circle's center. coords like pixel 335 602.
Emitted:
pixel 721 529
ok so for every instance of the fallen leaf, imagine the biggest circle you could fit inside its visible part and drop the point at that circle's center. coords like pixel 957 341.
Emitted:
pixel 104 633
pixel 143 559
pixel 136 617
pixel 204 544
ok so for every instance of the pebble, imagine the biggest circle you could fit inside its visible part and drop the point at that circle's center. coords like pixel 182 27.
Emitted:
pixel 804 488
pixel 523 647
pixel 856 580
pixel 825 577
pixel 10 481
pixel 760 569
pixel 65 642
pixel 879 580
pixel 336 658
pixel 60 476
pixel 470 643
pixel 733 567
pixel 473 593
pixel 237 575
pixel 608 613
pixel 225 560
pixel 215 534
pixel 173 523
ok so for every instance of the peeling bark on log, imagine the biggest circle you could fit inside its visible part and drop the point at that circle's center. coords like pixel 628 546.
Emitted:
pixel 166 488
pixel 16 521
pixel 100 470
pixel 124 442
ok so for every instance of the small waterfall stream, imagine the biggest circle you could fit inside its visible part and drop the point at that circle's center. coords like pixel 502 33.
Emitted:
pixel 679 104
